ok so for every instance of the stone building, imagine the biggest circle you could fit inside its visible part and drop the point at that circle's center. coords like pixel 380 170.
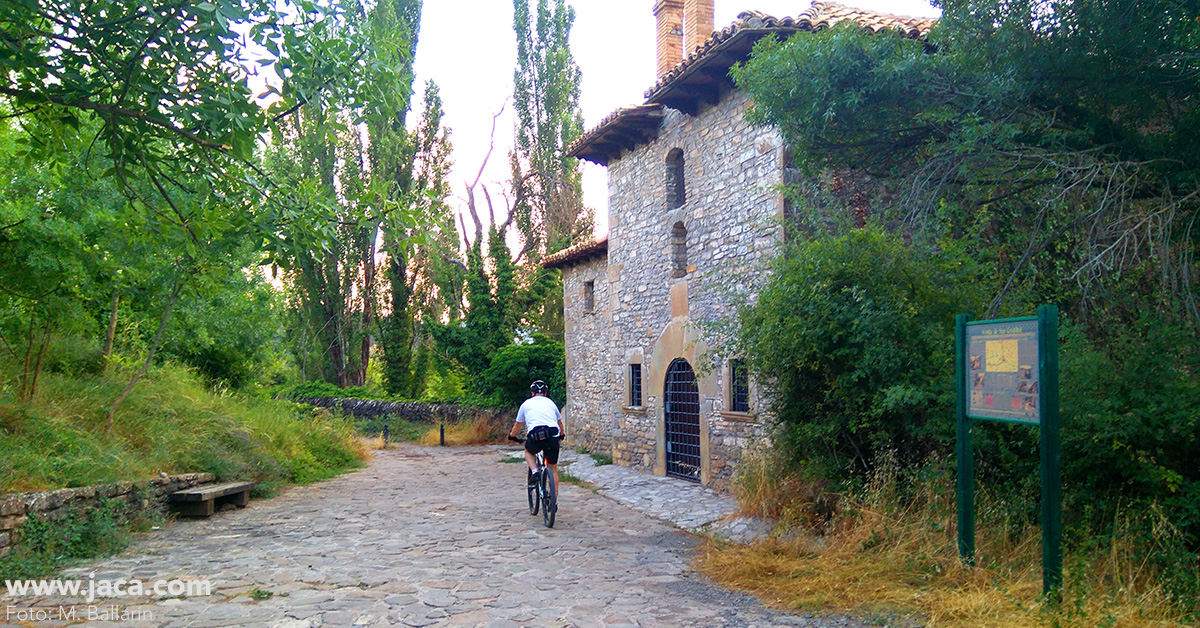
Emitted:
pixel 693 204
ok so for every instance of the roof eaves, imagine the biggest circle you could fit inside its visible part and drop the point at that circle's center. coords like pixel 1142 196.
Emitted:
pixel 576 254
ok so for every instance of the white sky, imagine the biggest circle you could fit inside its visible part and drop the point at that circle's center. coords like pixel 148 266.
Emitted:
pixel 469 49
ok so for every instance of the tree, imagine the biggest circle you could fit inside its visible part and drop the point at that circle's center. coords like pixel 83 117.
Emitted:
pixel 160 93
pixel 547 189
pixel 1065 134
pixel 1055 142
pixel 419 272
pixel 122 64
pixel 361 172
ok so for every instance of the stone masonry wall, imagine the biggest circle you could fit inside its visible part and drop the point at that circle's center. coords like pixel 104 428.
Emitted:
pixel 588 339
pixel 732 217
pixel 499 420
pixel 134 498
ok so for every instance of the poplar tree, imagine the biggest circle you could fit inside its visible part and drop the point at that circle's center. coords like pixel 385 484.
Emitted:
pixel 548 194
pixel 549 212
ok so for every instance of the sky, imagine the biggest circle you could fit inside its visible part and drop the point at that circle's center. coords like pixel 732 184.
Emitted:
pixel 469 49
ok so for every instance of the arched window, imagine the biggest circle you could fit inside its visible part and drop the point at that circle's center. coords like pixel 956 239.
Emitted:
pixel 675 190
pixel 679 261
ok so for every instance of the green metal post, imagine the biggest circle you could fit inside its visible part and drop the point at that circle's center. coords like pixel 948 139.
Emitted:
pixel 1051 453
pixel 966 454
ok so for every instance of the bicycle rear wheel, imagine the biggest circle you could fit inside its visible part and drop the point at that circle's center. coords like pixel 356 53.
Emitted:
pixel 549 498
pixel 532 489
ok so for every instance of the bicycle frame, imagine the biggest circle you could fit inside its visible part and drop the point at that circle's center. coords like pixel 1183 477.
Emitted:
pixel 544 495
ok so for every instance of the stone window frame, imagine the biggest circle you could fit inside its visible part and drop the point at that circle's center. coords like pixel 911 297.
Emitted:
pixel 589 296
pixel 675 180
pixel 750 415
pixel 634 359
pixel 679 254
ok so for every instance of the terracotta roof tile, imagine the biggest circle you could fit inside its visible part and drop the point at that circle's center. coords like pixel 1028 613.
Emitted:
pixel 578 252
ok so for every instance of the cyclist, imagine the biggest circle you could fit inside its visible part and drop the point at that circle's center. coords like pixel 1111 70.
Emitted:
pixel 544 426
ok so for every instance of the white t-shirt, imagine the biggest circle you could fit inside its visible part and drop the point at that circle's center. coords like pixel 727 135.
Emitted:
pixel 538 411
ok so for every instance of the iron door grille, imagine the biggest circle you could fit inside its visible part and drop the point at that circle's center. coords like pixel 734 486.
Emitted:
pixel 682 416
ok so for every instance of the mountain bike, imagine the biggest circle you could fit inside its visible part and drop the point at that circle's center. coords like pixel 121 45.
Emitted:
pixel 540 488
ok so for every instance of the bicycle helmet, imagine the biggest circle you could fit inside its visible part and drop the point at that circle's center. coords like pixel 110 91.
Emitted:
pixel 539 387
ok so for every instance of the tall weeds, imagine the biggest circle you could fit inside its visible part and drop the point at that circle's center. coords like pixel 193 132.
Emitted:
pixel 888 547
pixel 170 423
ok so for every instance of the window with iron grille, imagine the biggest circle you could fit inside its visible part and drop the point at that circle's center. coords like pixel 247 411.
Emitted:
pixel 635 385
pixel 589 296
pixel 739 387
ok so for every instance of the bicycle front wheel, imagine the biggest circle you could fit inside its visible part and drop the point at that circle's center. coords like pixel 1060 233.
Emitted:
pixel 532 489
pixel 549 498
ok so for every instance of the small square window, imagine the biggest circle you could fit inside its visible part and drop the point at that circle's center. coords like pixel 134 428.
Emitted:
pixel 589 296
pixel 739 386
pixel 635 385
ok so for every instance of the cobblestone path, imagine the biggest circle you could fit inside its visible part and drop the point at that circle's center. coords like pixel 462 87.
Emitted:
pixel 423 536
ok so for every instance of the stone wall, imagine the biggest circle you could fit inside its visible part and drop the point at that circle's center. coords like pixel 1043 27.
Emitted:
pixel 732 216
pixel 500 419
pixel 588 340
pixel 134 498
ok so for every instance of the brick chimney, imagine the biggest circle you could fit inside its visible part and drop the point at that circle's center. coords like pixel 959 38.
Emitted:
pixel 669 15
pixel 697 23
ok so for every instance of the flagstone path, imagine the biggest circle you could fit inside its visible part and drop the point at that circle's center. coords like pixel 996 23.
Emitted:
pixel 434 536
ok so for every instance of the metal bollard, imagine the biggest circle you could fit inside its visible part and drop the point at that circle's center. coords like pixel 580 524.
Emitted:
pixel 442 435
pixel 385 434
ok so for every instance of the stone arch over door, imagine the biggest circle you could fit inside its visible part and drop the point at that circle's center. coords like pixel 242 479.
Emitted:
pixel 681 419
pixel 678 340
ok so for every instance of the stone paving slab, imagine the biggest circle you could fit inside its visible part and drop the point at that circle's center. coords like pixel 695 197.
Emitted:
pixel 430 537
pixel 688 505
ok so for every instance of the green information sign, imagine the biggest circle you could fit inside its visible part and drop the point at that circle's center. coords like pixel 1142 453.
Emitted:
pixel 1002 359
pixel 1007 370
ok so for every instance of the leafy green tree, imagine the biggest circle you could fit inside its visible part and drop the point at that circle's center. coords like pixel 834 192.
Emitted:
pixel 515 366
pixel 1064 134
pixel 107 77
pixel 121 64
pixel 547 188
pixel 849 340
pixel 1056 143
pixel 546 181
pixel 419 259
pixel 363 177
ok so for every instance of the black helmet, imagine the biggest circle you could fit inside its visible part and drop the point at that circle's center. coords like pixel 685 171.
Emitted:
pixel 539 388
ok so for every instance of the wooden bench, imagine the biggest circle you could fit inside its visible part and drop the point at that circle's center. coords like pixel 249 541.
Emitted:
pixel 201 501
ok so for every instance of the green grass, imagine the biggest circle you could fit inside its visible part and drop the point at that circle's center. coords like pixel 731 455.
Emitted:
pixel 601 459
pixel 47 546
pixel 171 423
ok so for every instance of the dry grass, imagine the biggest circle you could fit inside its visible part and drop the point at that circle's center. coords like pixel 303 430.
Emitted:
pixel 879 558
pixel 460 434
pixel 375 444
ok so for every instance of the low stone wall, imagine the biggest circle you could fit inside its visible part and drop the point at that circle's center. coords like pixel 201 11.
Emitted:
pixel 134 497
pixel 499 419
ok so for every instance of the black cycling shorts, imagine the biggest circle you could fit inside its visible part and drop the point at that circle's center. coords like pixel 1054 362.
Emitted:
pixel 547 445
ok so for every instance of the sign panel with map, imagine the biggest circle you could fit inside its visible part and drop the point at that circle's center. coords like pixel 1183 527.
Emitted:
pixel 1003 378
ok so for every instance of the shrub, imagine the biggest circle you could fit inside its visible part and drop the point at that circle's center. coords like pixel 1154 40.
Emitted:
pixel 853 338
pixel 506 382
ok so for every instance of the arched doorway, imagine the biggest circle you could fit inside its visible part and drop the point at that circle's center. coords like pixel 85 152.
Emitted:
pixel 682 416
